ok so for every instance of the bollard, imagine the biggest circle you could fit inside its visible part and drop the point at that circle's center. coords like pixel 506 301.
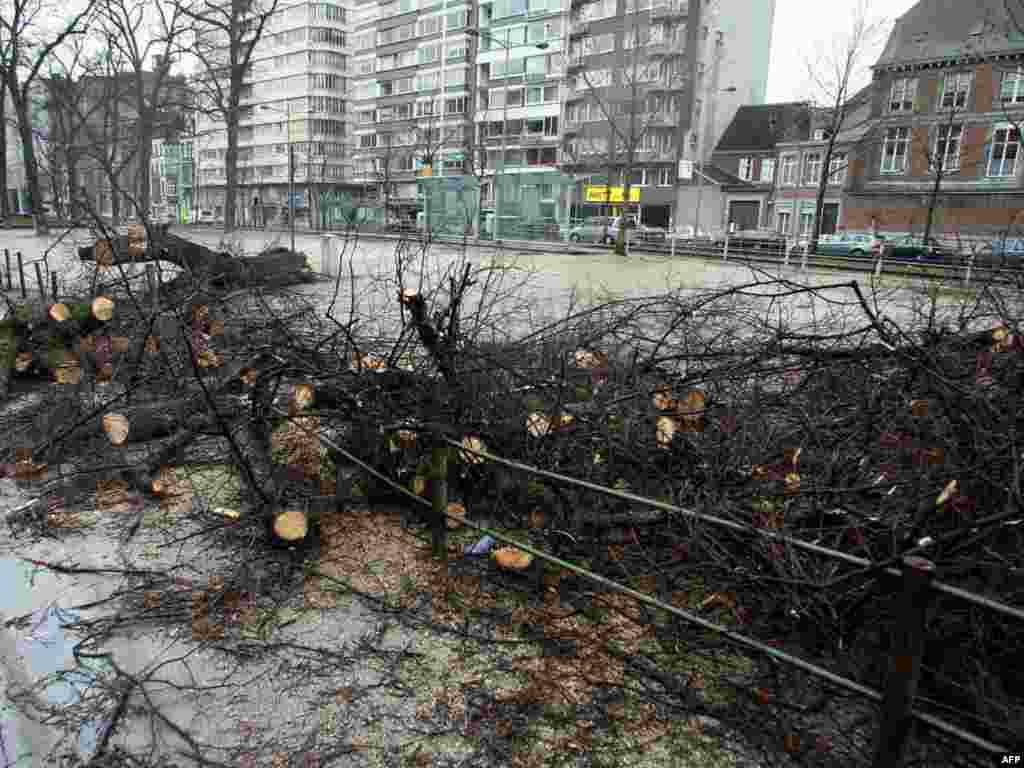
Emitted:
pixel 725 249
pixel 39 280
pixel 7 262
pixel 895 721
pixel 21 275
pixel 439 497
pixel 878 266
pixel 803 261
pixel 967 272
pixel 53 285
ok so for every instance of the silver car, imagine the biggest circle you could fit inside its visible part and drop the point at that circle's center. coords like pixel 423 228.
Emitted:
pixel 589 230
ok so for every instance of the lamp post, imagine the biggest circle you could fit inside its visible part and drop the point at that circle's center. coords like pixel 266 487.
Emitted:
pixel 504 118
pixel 291 169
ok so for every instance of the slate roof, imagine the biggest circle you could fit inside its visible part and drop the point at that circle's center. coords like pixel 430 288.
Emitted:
pixel 759 127
pixel 938 29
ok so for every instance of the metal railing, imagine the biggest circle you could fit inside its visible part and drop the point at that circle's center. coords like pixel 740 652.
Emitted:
pixel 897 712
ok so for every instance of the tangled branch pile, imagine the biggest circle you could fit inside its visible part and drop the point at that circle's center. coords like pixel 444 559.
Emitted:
pixel 797 409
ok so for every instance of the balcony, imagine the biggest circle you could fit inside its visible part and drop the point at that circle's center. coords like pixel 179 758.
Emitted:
pixel 664 49
pixel 667 9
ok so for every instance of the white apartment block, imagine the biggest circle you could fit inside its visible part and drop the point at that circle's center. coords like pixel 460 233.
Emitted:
pixel 295 96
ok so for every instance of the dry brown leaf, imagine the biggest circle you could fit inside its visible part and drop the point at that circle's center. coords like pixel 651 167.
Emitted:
pixel 103 308
pixel 456 515
pixel 248 376
pixel 200 313
pixel 791 456
pixel 512 559
pixel 152 599
pixel 87 344
pixel 360 743
pixel 695 680
pixel 919 408
pixel 228 512
pixel 217 328
pixel 536 519
pixel 425 711
pixel 424 759
pixel 694 403
pixel 116 425
pixel 792 483
pixel 407 296
pixel 344 696
pixel 590 360
pixel 792 743
pixel 279 760
pixel 68 373
pixel 419 485
pixel 104 253
pixel 22 361
pixel 663 399
pixel 406 438
pixel 120 344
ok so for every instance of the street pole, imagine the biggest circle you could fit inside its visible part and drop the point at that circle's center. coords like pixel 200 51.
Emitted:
pixel 291 177
pixel 504 138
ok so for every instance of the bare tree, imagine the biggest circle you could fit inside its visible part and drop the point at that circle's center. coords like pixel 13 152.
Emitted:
pixel 226 34
pixel 834 76
pixel 25 47
pixel 631 100
pixel 157 107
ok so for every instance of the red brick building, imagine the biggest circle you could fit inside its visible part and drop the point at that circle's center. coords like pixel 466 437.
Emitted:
pixel 947 98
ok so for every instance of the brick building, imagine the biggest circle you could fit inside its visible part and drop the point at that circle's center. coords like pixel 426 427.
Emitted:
pixel 946 99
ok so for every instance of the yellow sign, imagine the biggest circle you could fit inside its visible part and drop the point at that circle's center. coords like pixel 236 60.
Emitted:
pixel 610 195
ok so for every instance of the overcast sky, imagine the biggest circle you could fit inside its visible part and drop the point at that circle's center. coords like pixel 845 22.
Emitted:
pixel 803 27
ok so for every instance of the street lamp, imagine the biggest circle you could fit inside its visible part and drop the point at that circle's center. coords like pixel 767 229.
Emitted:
pixel 541 46
pixel 291 168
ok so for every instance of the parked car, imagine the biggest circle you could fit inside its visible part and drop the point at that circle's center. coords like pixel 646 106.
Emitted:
pixel 1004 252
pixel 401 224
pixel 852 244
pixel 593 230
pixel 640 232
pixel 202 216
pixel 913 248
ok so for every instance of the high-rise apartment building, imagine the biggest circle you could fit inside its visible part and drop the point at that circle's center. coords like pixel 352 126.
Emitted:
pixel 412 96
pixel 294 101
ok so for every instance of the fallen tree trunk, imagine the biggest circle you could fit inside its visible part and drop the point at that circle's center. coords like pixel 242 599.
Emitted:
pixel 279 266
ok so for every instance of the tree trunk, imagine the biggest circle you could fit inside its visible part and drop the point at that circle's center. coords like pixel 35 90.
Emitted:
pixel 4 212
pixel 31 168
pixel 231 155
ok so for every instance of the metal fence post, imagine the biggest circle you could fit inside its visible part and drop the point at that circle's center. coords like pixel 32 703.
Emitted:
pixel 895 721
pixel 39 280
pixel 878 266
pixel 803 260
pixel 439 497
pixel 725 250
pixel 53 285
pixel 967 273
pixel 7 263
pixel 21 274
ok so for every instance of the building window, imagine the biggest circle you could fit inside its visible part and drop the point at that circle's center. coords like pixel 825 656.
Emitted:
pixel 665 177
pixel 1002 160
pixel 368 141
pixel 806 222
pixel 788 170
pixel 746 168
pixel 767 169
pixel 837 168
pixel 901 99
pixel 947 148
pixel 894 150
pixel 783 219
pixel 430 25
pixel 812 168
pixel 1011 90
pixel 457 19
pixel 955 88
